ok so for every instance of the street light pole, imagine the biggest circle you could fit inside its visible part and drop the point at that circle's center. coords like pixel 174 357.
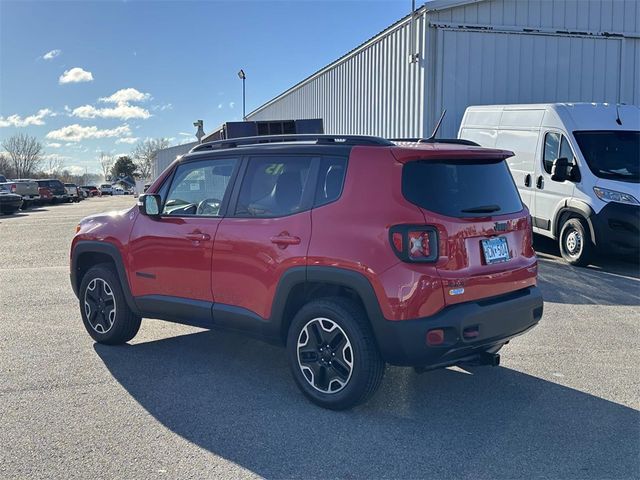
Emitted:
pixel 243 77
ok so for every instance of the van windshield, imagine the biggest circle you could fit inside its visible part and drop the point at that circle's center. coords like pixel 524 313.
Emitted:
pixel 614 155
pixel 460 188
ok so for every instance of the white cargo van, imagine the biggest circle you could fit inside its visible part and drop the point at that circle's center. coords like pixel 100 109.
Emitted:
pixel 577 167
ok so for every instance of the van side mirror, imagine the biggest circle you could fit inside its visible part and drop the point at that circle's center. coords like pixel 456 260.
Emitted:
pixel 560 170
pixel 149 204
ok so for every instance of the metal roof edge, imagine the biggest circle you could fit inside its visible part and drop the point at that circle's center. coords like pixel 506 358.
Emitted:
pixel 387 31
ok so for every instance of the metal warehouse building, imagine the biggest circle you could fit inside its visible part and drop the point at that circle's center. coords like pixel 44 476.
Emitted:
pixel 453 53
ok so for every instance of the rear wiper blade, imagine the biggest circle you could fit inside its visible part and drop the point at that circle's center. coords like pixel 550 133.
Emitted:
pixel 482 209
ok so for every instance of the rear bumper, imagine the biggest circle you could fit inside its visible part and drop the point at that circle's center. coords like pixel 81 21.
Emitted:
pixel 496 320
pixel 617 228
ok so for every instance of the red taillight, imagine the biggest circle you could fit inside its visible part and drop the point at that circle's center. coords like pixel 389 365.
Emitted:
pixel 13 188
pixel 419 245
pixel 396 239
pixel 414 243
pixel 435 337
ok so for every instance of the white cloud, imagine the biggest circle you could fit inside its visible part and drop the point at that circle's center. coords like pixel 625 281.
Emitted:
pixel 77 133
pixel 126 95
pixel 75 75
pixel 18 121
pixel 219 105
pixel 55 156
pixel 185 134
pixel 52 54
pixel 76 169
pixel 232 104
pixel 128 140
pixel 53 145
pixel 162 108
pixel 122 111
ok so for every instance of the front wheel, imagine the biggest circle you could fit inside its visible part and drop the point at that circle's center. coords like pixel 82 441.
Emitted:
pixel 105 313
pixel 575 242
pixel 333 354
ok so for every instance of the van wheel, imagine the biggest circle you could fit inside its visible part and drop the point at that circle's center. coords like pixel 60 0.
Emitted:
pixel 104 309
pixel 333 355
pixel 575 242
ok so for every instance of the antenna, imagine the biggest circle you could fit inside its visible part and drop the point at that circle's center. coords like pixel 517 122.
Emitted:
pixel 432 138
pixel 618 121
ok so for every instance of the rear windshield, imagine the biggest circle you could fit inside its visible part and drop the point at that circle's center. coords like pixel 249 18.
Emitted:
pixel 461 189
pixel 611 154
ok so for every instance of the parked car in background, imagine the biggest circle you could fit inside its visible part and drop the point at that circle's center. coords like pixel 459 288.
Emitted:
pixel 73 191
pixel 46 195
pixel 3 179
pixel 57 189
pixel 27 189
pixel 9 202
pixel 118 190
pixel 432 269
pixel 92 190
pixel 577 168
pixel 106 189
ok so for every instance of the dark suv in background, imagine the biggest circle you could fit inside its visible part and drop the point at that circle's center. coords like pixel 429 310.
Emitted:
pixel 57 189
pixel 352 251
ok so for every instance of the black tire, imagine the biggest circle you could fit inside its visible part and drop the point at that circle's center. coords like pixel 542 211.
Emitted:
pixel 103 327
pixel 575 242
pixel 367 366
pixel 25 205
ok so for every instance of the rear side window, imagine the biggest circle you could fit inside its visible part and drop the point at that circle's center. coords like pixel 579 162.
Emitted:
pixel 274 186
pixel 330 180
pixel 461 189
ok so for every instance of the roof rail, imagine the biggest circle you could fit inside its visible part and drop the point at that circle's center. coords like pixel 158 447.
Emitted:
pixel 456 141
pixel 318 139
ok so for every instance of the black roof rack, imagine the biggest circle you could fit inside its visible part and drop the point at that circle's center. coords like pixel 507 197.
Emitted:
pixel 318 139
pixel 456 141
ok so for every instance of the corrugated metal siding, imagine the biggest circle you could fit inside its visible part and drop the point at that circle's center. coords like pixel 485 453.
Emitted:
pixel 630 82
pixel 479 68
pixel 375 91
pixel 613 16
pixel 166 156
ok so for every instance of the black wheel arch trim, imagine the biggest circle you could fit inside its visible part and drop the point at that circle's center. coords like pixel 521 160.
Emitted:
pixel 579 207
pixel 105 248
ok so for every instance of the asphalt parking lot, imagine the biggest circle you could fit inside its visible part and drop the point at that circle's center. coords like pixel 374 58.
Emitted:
pixel 180 402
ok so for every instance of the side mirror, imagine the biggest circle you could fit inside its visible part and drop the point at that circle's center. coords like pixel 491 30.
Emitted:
pixel 560 170
pixel 149 204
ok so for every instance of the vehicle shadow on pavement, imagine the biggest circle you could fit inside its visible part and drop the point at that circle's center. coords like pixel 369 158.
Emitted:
pixel 235 397
pixel 629 266
pixel 562 283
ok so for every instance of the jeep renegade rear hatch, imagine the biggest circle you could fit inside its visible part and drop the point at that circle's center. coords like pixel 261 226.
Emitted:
pixel 484 233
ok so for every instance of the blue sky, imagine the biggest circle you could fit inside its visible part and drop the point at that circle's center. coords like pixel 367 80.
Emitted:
pixel 122 71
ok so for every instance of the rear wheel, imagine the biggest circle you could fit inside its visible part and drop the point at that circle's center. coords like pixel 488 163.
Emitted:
pixel 575 242
pixel 105 313
pixel 333 355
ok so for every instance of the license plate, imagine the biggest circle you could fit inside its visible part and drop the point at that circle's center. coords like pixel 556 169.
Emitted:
pixel 495 250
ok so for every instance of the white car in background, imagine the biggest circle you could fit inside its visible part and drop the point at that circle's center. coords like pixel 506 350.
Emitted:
pixel 106 189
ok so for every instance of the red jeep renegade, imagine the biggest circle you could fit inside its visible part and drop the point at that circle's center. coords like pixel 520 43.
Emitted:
pixel 351 251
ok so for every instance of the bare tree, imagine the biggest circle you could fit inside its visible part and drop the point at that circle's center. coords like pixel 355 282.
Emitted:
pixel 25 153
pixel 145 153
pixel 6 168
pixel 106 162
pixel 54 164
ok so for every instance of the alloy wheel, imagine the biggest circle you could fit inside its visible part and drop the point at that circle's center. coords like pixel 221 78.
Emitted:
pixel 100 305
pixel 325 355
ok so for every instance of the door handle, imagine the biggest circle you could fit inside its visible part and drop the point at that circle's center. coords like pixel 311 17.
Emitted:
pixel 284 240
pixel 198 237
pixel 527 180
pixel 540 182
